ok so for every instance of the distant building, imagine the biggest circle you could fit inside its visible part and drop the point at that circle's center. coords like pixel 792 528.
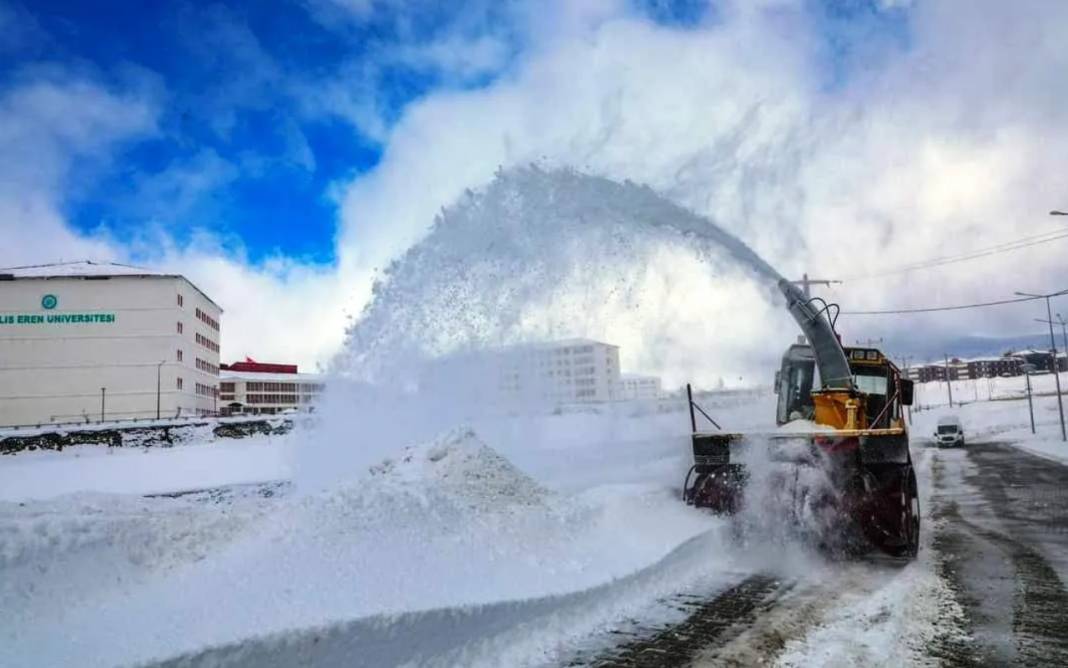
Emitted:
pixel 928 373
pixel 1042 360
pixel 571 370
pixel 256 388
pixel 993 367
pixel 89 341
pixel 556 372
pixel 957 370
pixel 1010 364
pixel 633 386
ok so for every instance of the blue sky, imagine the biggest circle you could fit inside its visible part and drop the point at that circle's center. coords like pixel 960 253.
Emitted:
pixel 254 129
pixel 283 154
pixel 244 147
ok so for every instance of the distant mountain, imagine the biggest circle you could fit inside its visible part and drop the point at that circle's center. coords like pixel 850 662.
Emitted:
pixel 930 350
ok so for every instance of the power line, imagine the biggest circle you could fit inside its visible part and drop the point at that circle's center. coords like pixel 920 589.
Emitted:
pixel 932 309
pixel 1004 247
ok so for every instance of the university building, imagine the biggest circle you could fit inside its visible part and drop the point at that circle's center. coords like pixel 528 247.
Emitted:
pixel 87 342
pixel 256 388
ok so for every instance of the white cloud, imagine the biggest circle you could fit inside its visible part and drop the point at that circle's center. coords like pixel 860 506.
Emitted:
pixel 47 122
pixel 51 120
pixel 956 141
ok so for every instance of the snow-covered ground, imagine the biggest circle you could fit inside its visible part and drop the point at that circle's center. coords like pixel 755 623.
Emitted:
pixel 97 468
pixel 511 537
pixel 94 573
pixel 1005 418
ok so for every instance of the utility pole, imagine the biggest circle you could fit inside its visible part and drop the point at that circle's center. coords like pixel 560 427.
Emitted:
pixel 806 282
pixel 1053 347
pixel 1030 406
pixel 949 384
pixel 103 390
pixel 1056 366
pixel 1064 328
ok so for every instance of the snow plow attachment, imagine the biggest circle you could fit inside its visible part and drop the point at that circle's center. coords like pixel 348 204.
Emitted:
pixel 858 490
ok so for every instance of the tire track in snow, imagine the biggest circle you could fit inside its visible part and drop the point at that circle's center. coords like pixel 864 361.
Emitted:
pixel 1016 603
pixel 711 622
pixel 1040 605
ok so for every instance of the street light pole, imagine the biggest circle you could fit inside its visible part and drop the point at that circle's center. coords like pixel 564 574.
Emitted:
pixel 103 390
pixel 1053 347
pixel 1064 328
pixel 949 384
pixel 1030 406
pixel 1064 331
pixel 159 370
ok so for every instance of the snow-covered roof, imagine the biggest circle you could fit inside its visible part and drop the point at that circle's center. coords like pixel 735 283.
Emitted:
pixel 1032 351
pixel 78 269
pixel 90 268
pixel 271 377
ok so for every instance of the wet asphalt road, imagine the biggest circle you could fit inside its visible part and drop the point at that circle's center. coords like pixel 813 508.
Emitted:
pixel 1003 543
pixel 1001 538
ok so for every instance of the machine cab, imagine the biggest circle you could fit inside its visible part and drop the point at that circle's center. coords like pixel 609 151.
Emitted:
pixel 876 380
pixel 794 382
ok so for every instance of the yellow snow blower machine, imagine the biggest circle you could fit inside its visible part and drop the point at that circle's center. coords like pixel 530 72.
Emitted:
pixel 840 414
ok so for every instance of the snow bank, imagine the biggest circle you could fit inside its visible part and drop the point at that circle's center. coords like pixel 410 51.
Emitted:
pixel 90 468
pixel 107 580
pixel 527 632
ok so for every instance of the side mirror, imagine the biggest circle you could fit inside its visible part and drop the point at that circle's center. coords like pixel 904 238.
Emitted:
pixel 906 391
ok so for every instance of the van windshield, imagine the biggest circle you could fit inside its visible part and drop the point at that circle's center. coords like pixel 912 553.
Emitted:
pixel 947 429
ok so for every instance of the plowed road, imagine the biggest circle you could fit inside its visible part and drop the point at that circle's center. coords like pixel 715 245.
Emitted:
pixel 1000 543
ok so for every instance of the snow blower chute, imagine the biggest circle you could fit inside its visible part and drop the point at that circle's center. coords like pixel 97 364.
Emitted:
pixel 848 405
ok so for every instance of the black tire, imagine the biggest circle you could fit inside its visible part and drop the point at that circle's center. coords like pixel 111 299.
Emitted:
pixel 910 519
pixel 912 516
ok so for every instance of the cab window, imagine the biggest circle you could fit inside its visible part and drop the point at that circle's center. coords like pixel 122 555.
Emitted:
pixel 870 384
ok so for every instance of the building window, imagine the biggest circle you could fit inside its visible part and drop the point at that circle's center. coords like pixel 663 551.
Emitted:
pixel 180 300
pixel 179 383
pixel 179 354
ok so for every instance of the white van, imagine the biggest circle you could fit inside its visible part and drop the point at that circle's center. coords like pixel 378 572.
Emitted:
pixel 950 431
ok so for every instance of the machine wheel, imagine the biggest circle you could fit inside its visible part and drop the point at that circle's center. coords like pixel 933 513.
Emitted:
pixel 908 502
pixel 911 516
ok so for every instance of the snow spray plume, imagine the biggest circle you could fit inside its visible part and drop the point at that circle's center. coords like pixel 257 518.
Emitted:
pixel 542 255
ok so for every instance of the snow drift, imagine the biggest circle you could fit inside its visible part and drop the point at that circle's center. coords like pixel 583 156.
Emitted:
pixel 108 580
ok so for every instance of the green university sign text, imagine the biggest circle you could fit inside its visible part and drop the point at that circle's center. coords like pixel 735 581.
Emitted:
pixel 57 319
